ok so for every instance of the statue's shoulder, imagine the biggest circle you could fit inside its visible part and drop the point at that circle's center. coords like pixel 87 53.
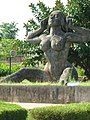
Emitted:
pixel 44 37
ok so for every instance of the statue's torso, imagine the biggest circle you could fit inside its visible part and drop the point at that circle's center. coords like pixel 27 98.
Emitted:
pixel 56 56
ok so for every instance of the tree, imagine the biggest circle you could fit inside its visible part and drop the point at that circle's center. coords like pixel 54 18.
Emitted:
pixel 79 10
pixel 59 6
pixel 30 26
pixel 80 53
pixel 40 11
pixel 7 45
pixel 8 30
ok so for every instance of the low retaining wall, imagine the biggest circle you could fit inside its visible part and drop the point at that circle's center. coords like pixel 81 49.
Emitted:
pixel 44 94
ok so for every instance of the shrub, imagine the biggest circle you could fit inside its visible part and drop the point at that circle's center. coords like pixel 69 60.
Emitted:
pixel 81 71
pixel 66 112
pixel 12 112
pixel 5 70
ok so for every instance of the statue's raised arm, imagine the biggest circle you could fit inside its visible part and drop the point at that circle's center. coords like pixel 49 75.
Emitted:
pixel 34 36
pixel 35 40
pixel 78 35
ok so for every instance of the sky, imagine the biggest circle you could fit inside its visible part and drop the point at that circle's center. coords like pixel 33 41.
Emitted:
pixel 19 12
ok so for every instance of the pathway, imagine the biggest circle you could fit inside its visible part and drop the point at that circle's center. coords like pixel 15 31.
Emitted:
pixel 34 105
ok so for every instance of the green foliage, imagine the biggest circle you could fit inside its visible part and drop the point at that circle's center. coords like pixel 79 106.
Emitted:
pixel 40 10
pixel 16 67
pixel 12 112
pixel 32 53
pixel 8 30
pixel 65 112
pixel 59 6
pixel 87 83
pixel 30 26
pixel 6 45
pixel 34 57
pixel 80 71
pixel 79 10
pixel 79 54
pixel 5 69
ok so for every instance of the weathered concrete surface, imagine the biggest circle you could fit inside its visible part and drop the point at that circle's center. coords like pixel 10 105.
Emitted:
pixel 44 94
pixel 82 94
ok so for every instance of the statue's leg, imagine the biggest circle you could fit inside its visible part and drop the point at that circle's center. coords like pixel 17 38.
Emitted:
pixel 74 73
pixel 31 75
pixel 46 69
pixel 65 76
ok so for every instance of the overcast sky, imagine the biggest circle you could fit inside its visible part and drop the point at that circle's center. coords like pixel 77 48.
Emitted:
pixel 18 11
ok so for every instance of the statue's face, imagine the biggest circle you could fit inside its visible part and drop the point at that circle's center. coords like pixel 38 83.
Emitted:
pixel 56 18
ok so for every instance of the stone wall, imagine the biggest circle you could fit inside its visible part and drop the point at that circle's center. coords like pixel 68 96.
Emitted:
pixel 44 94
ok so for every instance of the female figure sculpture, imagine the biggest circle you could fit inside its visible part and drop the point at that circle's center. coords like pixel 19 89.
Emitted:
pixel 56 45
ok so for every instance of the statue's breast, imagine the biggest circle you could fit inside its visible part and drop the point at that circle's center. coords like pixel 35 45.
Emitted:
pixel 45 44
pixel 57 43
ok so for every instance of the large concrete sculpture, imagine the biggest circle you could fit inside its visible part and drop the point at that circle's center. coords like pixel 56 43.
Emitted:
pixel 55 47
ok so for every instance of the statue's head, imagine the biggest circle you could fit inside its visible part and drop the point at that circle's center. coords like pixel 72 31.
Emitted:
pixel 56 18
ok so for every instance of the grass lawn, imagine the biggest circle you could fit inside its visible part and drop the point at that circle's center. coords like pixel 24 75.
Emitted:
pixel 26 82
